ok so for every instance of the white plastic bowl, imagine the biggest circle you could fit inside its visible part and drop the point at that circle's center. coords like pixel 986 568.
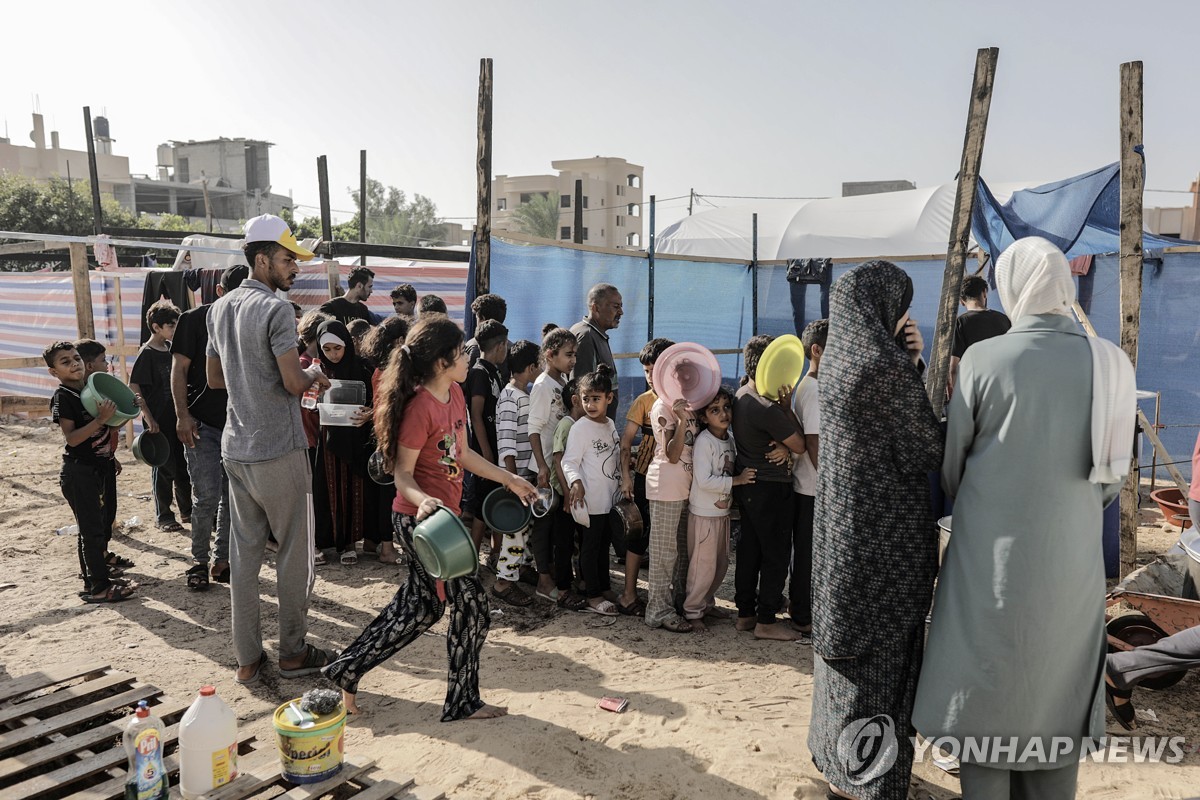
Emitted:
pixel 337 414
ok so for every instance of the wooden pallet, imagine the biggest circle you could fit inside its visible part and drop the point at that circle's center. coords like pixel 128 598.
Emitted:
pixel 60 737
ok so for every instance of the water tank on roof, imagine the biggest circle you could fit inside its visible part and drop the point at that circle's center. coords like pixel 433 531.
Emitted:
pixel 100 124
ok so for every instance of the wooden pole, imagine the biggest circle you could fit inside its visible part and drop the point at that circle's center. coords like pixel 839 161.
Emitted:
pixel 93 173
pixel 124 360
pixel 331 271
pixel 84 320
pixel 650 279
pixel 483 181
pixel 1132 186
pixel 960 225
pixel 578 237
pixel 323 191
pixel 362 201
pixel 754 275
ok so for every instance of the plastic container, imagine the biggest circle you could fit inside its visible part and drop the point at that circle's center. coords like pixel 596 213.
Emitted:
pixel 102 386
pixel 147 779
pixel 152 449
pixel 207 745
pixel 781 364
pixel 346 392
pixel 312 753
pixel 444 546
pixel 504 512
pixel 68 530
pixel 338 415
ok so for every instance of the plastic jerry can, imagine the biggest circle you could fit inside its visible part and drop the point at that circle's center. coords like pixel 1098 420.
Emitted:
pixel 207 745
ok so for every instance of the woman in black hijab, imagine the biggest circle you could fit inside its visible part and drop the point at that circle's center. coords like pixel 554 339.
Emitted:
pixel 345 498
pixel 874 544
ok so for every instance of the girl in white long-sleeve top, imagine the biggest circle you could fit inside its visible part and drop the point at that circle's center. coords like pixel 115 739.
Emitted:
pixel 708 510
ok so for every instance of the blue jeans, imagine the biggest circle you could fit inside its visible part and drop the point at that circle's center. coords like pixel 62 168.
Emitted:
pixel 210 494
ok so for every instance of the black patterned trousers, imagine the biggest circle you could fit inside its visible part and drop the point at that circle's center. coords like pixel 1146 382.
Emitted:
pixel 414 609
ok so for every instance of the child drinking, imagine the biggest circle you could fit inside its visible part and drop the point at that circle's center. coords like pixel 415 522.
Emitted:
pixel 709 502
pixel 546 410
pixel 421 427
pixel 151 378
pixel 590 466
pixel 87 462
pixel 516 456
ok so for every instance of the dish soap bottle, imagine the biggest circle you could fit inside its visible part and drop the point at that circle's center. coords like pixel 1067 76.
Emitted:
pixel 207 745
pixel 144 746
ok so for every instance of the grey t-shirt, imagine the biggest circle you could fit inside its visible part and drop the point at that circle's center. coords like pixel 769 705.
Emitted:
pixel 248 329
pixel 756 423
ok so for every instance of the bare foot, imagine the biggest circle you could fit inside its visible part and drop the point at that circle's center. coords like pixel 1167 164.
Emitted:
pixel 746 623
pixel 610 596
pixel 698 625
pixel 776 632
pixel 545 585
pixel 350 701
pixel 489 712
pixel 387 553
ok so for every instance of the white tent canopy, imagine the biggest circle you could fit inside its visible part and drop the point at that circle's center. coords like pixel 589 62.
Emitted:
pixel 893 224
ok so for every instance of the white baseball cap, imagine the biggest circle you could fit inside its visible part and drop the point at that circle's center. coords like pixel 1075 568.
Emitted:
pixel 270 228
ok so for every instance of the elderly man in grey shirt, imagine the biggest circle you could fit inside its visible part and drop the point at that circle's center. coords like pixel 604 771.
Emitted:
pixel 604 314
pixel 252 354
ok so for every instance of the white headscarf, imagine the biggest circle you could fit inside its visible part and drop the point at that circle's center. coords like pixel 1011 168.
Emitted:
pixel 1033 277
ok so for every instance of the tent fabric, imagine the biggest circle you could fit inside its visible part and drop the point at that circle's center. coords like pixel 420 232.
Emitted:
pixel 1080 215
pixel 186 259
pixel 889 225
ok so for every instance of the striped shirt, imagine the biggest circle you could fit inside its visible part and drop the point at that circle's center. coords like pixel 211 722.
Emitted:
pixel 512 429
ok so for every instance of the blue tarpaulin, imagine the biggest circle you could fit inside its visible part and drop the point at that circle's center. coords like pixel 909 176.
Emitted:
pixel 1080 215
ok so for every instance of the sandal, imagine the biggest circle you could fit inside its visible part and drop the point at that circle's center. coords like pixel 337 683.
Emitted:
pixel 677 624
pixel 513 596
pixel 197 578
pixel 220 571
pixel 606 608
pixel 314 659
pixel 1124 713
pixel 254 676
pixel 528 576
pixel 319 559
pixel 349 558
pixel 169 527
pixel 571 601
pixel 635 609
pixel 115 593
pixel 114 560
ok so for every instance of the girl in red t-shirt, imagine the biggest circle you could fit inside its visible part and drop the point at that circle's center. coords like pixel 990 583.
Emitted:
pixel 420 426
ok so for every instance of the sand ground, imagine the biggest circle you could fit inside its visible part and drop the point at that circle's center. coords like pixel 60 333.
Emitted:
pixel 718 715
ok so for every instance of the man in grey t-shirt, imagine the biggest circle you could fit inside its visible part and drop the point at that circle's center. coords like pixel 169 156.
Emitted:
pixel 605 309
pixel 252 355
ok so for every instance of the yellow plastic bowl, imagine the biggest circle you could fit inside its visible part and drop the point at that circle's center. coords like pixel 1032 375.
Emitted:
pixel 781 364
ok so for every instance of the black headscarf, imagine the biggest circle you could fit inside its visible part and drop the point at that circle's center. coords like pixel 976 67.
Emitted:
pixel 348 443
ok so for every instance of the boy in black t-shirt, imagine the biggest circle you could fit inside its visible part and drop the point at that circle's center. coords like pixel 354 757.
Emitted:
pixel 95 359
pixel 88 462
pixel 151 378
pixel 484 382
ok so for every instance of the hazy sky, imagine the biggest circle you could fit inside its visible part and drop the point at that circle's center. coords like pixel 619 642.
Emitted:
pixel 731 98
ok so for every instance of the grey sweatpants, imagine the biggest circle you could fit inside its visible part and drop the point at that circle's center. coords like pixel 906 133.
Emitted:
pixel 985 783
pixel 270 497
pixel 1175 652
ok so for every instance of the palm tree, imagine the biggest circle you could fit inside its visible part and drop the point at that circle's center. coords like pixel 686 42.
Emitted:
pixel 539 217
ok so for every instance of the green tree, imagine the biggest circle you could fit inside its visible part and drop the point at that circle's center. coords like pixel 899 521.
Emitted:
pixel 539 217
pixel 393 219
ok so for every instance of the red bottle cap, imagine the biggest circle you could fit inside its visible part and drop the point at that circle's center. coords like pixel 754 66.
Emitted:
pixel 207 691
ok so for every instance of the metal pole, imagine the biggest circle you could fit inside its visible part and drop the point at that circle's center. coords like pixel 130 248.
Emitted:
pixel 650 260
pixel 362 202
pixel 754 275
pixel 323 191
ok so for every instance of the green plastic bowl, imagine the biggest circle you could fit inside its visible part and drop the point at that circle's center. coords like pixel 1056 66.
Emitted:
pixel 504 512
pixel 444 546
pixel 152 449
pixel 102 386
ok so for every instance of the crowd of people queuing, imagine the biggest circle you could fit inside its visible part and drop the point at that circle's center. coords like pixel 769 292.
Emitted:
pixel 837 544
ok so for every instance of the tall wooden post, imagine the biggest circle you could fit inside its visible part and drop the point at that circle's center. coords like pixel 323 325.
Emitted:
pixel 93 173
pixel 483 181
pixel 578 226
pixel 362 202
pixel 84 320
pixel 323 192
pixel 650 287
pixel 960 225
pixel 1132 185
pixel 754 275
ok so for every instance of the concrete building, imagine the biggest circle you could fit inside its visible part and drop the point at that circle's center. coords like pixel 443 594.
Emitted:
pixel 612 200
pixel 42 161
pixel 1182 222
pixel 856 188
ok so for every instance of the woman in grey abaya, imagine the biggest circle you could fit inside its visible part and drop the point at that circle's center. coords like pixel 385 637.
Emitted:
pixel 1040 434
pixel 874 546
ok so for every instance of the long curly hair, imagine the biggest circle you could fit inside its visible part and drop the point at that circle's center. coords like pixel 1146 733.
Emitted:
pixel 431 347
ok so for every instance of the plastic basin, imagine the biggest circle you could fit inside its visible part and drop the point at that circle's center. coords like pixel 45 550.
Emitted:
pixel 781 364
pixel 152 449
pixel 504 512
pixel 101 386
pixel 1173 505
pixel 444 546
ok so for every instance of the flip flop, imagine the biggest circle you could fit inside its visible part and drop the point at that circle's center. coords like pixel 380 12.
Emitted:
pixel 114 560
pixel 606 609
pixel 572 601
pixel 677 624
pixel 314 659
pixel 635 609
pixel 513 596
pixel 255 676
pixel 349 558
pixel 169 527
pixel 553 595
pixel 1124 714
pixel 115 593
pixel 319 559
pixel 197 578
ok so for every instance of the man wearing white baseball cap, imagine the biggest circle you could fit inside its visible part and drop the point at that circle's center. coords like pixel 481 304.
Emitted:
pixel 252 354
